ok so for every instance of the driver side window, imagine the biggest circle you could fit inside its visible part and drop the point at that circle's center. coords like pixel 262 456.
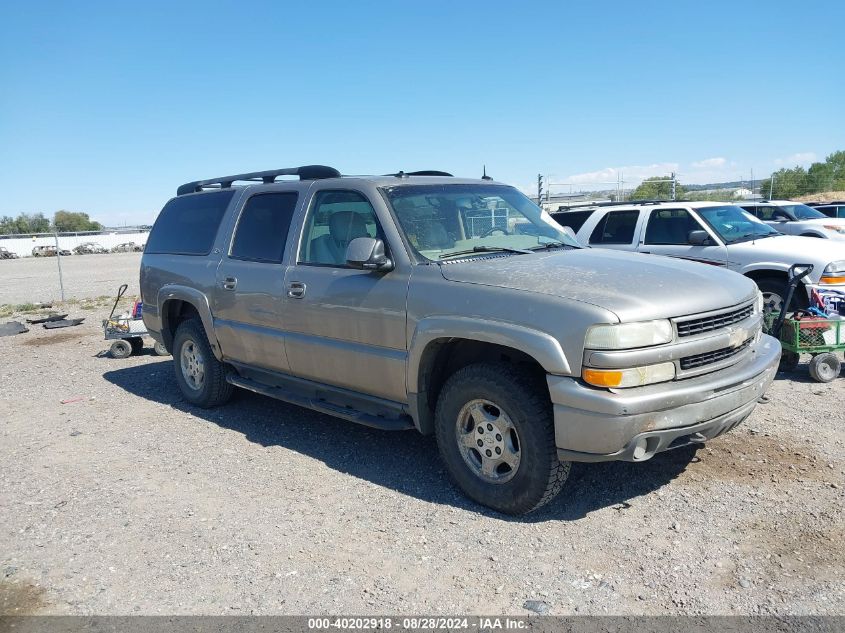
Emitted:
pixel 670 226
pixel 335 219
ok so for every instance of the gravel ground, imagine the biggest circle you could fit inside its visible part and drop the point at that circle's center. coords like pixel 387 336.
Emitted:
pixel 130 501
pixel 36 279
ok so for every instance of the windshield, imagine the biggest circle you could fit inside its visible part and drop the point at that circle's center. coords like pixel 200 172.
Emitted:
pixel 733 224
pixel 441 221
pixel 802 211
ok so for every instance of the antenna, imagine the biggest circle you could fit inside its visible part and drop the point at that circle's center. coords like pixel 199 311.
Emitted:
pixel 484 176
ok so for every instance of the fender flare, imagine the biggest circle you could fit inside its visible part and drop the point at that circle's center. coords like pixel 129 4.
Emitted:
pixel 199 301
pixel 544 348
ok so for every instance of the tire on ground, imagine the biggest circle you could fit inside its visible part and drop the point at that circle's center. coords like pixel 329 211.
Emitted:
pixel 825 367
pixel 121 348
pixel 160 349
pixel 539 475
pixel 214 390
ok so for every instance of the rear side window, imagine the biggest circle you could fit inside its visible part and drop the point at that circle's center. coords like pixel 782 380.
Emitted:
pixel 573 219
pixel 617 227
pixel 187 225
pixel 263 227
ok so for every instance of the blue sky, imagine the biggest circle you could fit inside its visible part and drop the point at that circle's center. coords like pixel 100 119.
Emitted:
pixel 107 107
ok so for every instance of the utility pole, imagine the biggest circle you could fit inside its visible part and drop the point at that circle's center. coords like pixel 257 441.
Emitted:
pixel 673 185
pixel 540 190
pixel 771 185
pixel 59 262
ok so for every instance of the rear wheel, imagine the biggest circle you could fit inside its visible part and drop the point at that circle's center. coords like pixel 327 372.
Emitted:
pixel 200 376
pixel 495 433
pixel 825 367
pixel 160 349
pixel 120 349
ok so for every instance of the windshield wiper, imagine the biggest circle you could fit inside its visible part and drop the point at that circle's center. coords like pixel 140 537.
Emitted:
pixel 486 249
pixel 751 236
pixel 548 245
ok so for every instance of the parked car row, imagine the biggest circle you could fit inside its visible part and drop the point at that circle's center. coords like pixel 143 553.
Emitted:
pixel 750 242
pixel 457 307
pixel 86 248
pixel 832 209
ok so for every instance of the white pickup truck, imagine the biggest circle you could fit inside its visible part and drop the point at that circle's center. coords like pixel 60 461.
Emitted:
pixel 713 233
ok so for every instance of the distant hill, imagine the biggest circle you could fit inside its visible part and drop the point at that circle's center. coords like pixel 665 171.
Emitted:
pixel 736 184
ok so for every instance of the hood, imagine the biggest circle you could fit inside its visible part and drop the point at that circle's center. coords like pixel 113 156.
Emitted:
pixel 790 249
pixel 633 286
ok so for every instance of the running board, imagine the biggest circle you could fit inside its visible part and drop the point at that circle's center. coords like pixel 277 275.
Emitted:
pixel 401 422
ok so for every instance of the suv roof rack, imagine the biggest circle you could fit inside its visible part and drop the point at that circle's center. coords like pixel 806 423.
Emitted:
pixel 643 202
pixel 306 172
pixel 424 172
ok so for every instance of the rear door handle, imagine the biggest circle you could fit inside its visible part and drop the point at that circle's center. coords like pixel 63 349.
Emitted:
pixel 296 290
pixel 229 283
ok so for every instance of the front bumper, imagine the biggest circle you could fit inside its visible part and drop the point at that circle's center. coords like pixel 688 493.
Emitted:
pixel 633 424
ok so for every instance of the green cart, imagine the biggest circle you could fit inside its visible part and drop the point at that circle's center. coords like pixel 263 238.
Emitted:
pixel 801 332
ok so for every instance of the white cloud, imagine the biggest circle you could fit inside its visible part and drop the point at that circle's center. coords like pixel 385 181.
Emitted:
pixel 710 163
pixel 800 158
pixel 608 176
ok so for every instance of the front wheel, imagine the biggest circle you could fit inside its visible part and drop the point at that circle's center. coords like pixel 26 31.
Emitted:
pixel 495 434
pixel 825 367
pixel 774 294
pixel 200 376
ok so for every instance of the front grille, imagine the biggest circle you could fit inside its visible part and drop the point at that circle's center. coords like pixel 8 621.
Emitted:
pixel 713 322
pixel 708 358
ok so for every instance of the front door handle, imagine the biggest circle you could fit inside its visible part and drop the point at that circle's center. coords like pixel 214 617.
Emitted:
pixel 296 290
pixel 229 283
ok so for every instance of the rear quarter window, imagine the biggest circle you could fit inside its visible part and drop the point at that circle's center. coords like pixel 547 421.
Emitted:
pixel 187 225
pixel 573 219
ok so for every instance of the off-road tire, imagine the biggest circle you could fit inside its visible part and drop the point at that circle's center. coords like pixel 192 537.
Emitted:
pixel 121 348
pixel 825 367
pixel 540 475
pixel 215 390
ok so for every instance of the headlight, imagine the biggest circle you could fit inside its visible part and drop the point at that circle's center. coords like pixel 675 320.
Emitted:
pixel 835 227
pixel 758 304
pixel 834 273
pixel 629 335
pixel 633 377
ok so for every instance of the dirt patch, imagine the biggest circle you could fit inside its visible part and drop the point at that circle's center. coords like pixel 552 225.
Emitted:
pixel 20 598
pixel 750 457
pixel 822 197
pixel 62 337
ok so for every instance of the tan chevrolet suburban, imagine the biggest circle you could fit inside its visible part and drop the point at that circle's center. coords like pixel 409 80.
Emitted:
pixel 455 307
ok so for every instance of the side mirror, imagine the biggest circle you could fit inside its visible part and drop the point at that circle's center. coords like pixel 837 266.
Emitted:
pixel 698 238
pixel 367 253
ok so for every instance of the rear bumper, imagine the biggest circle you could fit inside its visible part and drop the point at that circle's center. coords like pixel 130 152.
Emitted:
pixel 634 424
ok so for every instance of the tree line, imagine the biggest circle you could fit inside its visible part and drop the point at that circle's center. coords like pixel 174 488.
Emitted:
pixel 782 184
pixel 819 177
pixel 63 222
